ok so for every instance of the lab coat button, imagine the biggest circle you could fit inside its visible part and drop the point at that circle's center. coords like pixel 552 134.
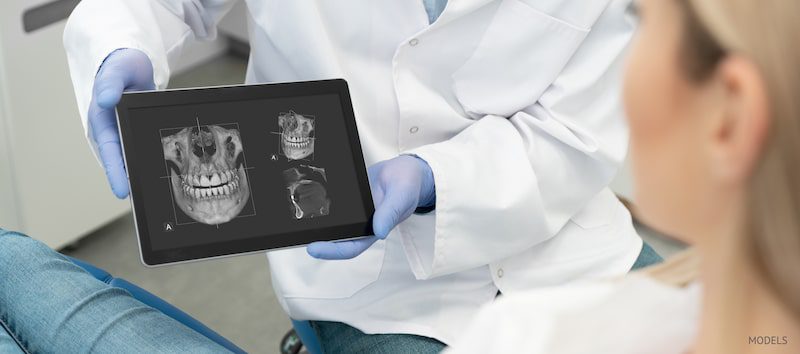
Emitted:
pixel 413 42
pixel 500 273
pixel 413 130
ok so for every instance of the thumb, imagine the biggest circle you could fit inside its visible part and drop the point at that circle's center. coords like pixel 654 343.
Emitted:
pixel 395 207
pixel 123 69
pixel 108 89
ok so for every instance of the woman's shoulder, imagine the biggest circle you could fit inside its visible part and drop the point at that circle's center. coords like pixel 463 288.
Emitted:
pixel 632 315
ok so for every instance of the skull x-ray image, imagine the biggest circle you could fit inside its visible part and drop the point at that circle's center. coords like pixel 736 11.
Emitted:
pixel 307 191
pixel 297 135
pixel 206 172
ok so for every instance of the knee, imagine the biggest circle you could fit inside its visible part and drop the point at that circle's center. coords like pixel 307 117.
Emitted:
pixel 11 242
pixel 18 251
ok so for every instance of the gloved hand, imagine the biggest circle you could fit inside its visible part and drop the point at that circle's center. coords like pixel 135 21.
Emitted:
pixel 399 186
pixel 122 70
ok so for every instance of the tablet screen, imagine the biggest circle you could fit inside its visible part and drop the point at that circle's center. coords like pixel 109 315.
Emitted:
pixel 207 173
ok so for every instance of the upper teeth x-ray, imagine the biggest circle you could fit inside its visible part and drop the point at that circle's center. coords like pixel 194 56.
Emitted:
pixel 207 174
pixel 297 135
pixel 307 190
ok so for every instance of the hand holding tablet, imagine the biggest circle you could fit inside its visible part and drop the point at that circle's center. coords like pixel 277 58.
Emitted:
pixel 399 187
pixel 240 169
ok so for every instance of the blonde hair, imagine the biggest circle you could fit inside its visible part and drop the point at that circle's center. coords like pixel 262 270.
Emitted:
pixel 767 33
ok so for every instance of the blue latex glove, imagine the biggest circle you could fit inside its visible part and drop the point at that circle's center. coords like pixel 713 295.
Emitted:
pixel 399 186
pixel 122 70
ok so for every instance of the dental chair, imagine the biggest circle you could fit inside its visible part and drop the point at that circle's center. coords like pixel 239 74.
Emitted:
pixel 307 336
pixel 302 329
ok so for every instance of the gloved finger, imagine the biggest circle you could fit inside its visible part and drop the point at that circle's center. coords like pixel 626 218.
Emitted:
pixel 397 205
pixel 103 125
pixel 122 72
pixel 102 121
pixel 101 116
pixel 374 183
pixel 341 249
pixel 111 155
pixel 108 91
pixel 377 195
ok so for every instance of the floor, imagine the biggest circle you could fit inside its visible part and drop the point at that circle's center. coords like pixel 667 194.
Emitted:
pixel 232 295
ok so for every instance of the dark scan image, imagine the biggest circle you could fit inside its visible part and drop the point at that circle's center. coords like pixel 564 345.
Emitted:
pixel 207 173
pixel 308 196
pixel 297 135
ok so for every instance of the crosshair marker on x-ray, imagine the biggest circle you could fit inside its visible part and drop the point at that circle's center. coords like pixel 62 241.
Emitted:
pixel 297 135
pixel 207 173
pixel 307 191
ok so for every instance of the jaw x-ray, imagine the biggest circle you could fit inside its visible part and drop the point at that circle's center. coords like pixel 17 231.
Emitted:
pixel 207 175
pixel 297 135
pixel 307 192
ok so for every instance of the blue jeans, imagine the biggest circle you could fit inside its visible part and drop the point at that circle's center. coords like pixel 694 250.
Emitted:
pixel 647 257
pixel 48 304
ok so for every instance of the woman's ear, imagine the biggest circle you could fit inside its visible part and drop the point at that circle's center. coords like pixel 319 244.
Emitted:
pixel 740 131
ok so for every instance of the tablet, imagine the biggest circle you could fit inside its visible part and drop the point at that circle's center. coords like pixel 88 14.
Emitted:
pixel 239 169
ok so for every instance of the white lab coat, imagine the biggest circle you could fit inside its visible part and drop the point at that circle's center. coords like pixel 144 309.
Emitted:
pixel 633 315
pixel 515 105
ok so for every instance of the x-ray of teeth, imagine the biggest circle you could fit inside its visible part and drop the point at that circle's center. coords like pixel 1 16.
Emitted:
pixel 207 172
pixel 297 135
pixel 307 190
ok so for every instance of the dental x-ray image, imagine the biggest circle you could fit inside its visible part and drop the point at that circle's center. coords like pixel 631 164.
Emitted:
pixel 307 191
pixel 206 171
pixel 297 135
pixel 228 170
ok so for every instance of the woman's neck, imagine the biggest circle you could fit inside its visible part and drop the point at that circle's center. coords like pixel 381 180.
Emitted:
pixel 741 313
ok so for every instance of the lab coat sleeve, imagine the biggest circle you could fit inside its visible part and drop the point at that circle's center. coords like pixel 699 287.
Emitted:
pixel 159 28
pixel 521 171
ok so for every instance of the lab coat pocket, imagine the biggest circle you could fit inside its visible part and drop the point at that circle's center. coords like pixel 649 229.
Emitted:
pixel 295 274
pixel 521 53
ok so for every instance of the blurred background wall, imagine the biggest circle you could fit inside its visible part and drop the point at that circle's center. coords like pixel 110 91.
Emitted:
pixel 50 183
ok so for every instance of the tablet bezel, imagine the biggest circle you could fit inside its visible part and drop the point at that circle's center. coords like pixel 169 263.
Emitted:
pixel 266 242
